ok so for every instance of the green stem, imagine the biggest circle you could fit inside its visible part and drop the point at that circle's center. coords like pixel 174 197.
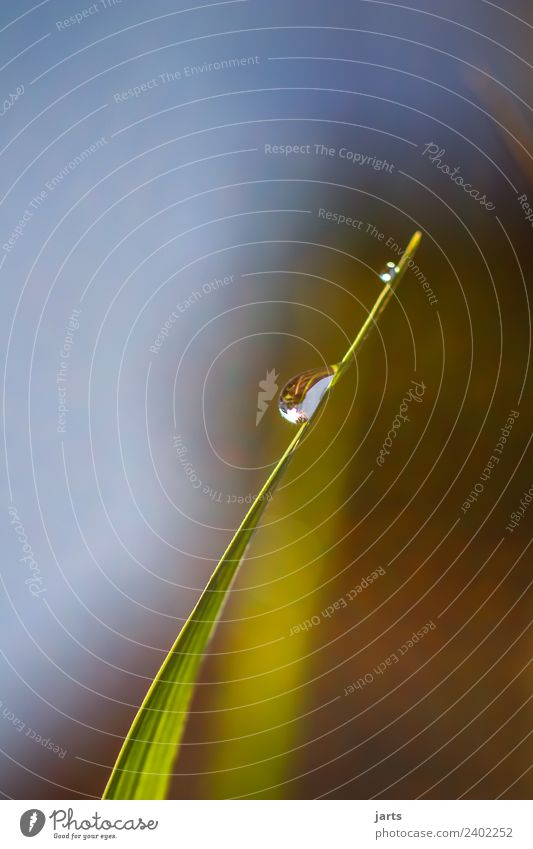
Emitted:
pixel 382 301
pixel 144 765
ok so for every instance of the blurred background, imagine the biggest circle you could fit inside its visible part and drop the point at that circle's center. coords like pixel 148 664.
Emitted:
pixel 176 185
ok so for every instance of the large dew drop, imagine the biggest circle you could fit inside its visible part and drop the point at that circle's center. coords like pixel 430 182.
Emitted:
pixel 300 397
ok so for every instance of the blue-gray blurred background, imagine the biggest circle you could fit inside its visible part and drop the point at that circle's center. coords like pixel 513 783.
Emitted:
pixel 167 174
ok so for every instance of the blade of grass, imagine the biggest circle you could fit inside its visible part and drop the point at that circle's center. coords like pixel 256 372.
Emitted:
pixel 144 764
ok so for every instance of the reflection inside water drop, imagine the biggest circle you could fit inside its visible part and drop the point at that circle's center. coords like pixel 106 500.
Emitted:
pixel 300 397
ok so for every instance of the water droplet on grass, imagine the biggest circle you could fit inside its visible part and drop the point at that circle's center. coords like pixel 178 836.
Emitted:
pixel 389 272
pixel 300 397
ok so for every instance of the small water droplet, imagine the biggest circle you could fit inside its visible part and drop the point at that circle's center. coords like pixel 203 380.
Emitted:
pixel 300 397
pixel 389 272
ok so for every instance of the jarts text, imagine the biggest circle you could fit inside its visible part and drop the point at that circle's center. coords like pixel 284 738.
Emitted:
pixel 381 817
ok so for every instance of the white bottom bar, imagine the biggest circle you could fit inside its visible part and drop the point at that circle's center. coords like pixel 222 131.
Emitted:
pixel 267 824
